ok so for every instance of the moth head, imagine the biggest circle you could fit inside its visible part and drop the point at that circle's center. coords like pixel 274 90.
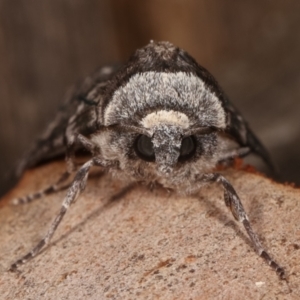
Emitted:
pixel 167 146
pixel 168 141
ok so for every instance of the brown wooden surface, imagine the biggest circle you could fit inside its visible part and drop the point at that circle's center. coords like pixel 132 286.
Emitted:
pixel 251 47
pixel 133 243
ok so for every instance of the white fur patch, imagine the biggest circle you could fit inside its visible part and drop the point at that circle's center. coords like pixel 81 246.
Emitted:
pixel 155 91
pixel 165 117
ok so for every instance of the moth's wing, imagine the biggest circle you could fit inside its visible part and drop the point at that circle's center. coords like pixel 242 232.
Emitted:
pixel 74 113
pixel 237 127
pixel 240 130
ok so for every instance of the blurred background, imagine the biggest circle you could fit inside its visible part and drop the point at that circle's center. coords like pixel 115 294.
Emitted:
pixel 251 47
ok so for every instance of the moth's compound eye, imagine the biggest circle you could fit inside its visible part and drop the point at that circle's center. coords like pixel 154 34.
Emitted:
pixel 144 148
pixel 188 147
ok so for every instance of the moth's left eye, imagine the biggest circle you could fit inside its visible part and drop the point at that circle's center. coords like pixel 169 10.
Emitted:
pixel 144 148
pixel 188 147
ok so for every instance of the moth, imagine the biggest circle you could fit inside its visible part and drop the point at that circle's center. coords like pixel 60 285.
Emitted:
pixel 160 117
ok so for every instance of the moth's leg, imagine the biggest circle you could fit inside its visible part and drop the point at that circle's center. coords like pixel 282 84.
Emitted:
pixel 86 143
pixel 70 152
pixel 72 142
pixel 239 152
pixel 233 201
pixel 71 168
pixel 74 190
pixel 57 186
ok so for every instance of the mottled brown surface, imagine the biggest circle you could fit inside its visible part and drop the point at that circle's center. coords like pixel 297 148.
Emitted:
pixel 118 243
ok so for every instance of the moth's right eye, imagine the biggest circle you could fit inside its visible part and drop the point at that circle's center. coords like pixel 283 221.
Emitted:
pixel 144 148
